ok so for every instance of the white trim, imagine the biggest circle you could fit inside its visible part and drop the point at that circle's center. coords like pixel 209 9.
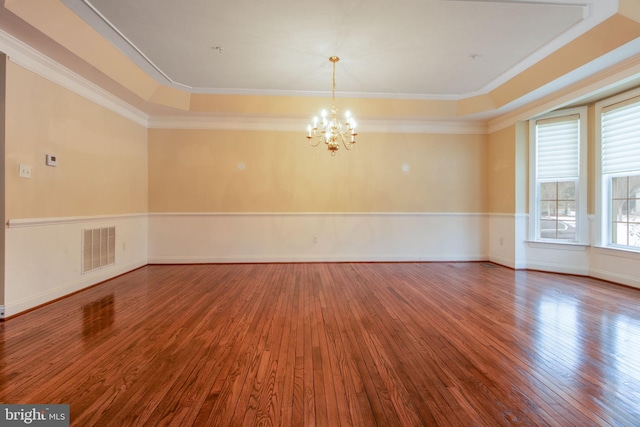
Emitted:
pixel 325 94
pixel 36 222
pixel 565 246
pixel 565 91
pixel 593 14
pixel 506 262
pixel 71 287
pixel 29 58
pixel 294 124
pixel 313 258
pixel 314 237
pixel 510 215
pixel 553 267
pixel 32 60
pixel 45 257
pixel 392 214
pixel 622 279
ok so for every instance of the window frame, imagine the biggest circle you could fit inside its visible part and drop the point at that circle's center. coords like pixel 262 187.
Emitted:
pixel 581 220
pixel 603 232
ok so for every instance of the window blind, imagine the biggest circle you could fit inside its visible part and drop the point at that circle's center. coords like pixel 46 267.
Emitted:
pixel 621 138
pixel 558 147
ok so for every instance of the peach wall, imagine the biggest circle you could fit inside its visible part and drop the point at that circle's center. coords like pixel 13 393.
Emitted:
pixel 70 31
pixel 502 171
pixel 197 171
pixel 102 156
pixel 366 108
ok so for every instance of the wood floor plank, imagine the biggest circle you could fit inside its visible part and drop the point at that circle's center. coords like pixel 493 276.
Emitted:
pixel 327 344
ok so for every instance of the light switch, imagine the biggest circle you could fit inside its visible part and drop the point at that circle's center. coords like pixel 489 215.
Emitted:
pixel 25 171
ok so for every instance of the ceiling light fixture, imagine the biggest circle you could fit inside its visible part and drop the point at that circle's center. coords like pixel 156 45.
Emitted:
pixel 329 129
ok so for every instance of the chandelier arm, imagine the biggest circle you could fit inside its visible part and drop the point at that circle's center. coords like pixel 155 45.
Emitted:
pixel 311 143
pixel 345 138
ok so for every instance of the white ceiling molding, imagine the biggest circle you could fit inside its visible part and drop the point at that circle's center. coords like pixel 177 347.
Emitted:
pixel 34 61
pixel 194 60
pixel 592 17
pixel 619 77
pixel 293 124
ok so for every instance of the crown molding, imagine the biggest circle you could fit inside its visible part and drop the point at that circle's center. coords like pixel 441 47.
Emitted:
pixel 27 57
pixel 296 124
pixel 623 72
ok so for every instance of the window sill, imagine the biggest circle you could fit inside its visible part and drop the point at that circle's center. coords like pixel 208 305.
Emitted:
pixel 603 250
pixel 569 246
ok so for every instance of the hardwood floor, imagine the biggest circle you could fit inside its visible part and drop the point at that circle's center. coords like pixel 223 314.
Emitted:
pixel 390 344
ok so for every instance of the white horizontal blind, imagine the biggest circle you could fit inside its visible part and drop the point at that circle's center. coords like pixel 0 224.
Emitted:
pixel 621 137
pixel 558 147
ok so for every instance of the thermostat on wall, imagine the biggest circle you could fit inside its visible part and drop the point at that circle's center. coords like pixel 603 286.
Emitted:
pixel 52 160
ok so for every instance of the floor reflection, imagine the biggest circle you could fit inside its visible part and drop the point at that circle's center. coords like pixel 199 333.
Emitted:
pixel 626 354
pixel 557 336
pixel 589 349
pixel 98 315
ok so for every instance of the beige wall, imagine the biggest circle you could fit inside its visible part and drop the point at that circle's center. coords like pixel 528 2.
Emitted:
pixel 197 171
pixel 502 171
pixel 102 156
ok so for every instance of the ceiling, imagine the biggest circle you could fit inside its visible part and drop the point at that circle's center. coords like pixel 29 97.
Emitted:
pixel 422 49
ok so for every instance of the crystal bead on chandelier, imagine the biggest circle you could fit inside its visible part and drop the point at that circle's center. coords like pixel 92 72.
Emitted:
pixel 329 129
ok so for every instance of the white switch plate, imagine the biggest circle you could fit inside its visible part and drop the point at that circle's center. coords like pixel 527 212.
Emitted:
pixel 52 160
pixel 25 171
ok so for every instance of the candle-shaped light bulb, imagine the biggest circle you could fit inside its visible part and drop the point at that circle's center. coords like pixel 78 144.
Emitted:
pixel 323 113
pixel 309 130
pixel 315 122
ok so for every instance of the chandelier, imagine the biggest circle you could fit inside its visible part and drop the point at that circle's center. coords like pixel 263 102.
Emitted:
pixel 328 128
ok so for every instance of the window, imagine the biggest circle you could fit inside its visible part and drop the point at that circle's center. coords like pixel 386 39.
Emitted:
pixel 619 162
pixel 558 193
pixel 625 210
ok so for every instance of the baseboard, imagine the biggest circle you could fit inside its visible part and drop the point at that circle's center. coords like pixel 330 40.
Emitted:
pixel 2 311
pixel 622 279
pixel 318 258
pixel 86 281
pixel 507 262
pixel 558 268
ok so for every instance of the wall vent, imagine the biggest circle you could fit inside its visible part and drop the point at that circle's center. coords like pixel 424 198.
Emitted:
pixel 98 248
pixel 489 265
